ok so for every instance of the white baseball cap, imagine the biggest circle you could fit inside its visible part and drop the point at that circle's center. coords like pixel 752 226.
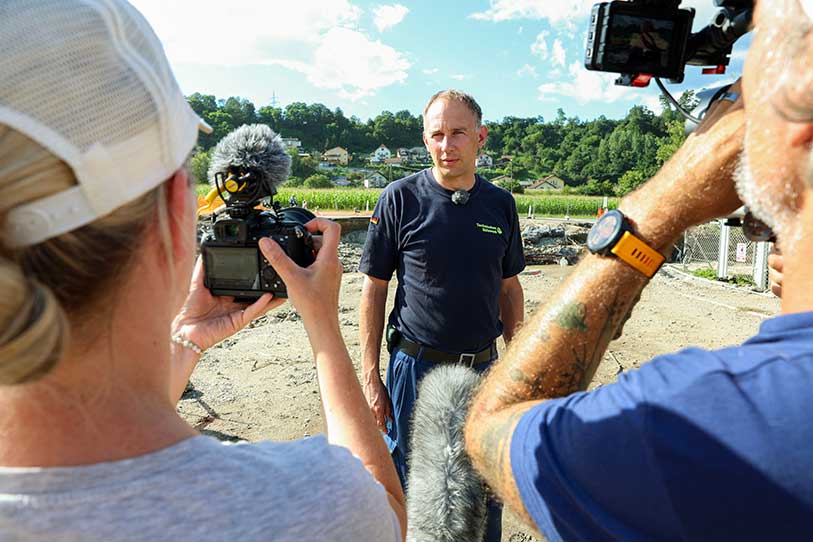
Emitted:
pixel 89 81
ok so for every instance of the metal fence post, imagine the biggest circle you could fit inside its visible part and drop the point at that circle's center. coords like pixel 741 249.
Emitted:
pixel 722 258
pixel 761 265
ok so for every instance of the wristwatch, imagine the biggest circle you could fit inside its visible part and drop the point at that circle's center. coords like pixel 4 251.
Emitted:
pixel 612 234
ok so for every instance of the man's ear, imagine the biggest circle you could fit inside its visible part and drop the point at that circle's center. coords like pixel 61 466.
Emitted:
pixel 425 140
pixel 482 135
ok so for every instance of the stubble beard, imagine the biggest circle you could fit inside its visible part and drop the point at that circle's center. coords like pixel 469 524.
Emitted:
pixel 764 203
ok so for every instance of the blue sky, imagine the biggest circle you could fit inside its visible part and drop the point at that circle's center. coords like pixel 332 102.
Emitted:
pixel 517 57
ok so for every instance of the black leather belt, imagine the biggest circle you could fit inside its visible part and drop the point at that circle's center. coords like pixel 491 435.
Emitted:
pixel 437 356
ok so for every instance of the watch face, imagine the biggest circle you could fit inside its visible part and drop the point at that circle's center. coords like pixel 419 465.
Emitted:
pixel 605 232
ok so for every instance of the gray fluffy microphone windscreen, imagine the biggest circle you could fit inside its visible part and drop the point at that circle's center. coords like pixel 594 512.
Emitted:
pixel 254 147
pixel 446 499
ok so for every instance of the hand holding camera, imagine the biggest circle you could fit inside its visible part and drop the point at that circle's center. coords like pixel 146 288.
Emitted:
pixel 314 290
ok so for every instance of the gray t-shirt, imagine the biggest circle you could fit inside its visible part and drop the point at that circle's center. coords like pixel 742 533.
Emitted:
pixel 202 490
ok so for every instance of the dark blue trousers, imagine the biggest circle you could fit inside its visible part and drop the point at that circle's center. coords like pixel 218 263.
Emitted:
pixel 404 373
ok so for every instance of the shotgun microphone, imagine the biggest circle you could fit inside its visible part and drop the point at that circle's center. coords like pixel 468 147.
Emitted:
pixel 446 498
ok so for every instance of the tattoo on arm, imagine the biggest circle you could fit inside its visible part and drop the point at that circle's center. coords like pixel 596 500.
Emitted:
pixel 572 317
pixel 495 451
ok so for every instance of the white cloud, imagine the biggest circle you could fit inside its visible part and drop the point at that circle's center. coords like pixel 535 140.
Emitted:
pixel 458 77
pixel 552 10
pixel 653 102
pixel 527 71
pixel 348 62
pixel 519 30
pixel 559 53
pixel 319 39
pixel 540 46
pixel 587 86
pixel 385 17
pixel 430 71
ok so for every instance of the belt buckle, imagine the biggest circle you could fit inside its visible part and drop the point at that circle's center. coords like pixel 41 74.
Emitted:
pixel 469 357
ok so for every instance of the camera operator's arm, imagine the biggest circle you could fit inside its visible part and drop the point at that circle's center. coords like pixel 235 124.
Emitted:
pixel 557 352
pixel 314 291
pixel 371 328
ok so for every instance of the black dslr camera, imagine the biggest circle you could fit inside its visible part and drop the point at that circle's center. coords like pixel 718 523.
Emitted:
pixel 246 168
pixel 642 39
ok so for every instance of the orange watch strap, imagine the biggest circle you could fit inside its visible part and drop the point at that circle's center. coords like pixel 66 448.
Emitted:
pixel 638 254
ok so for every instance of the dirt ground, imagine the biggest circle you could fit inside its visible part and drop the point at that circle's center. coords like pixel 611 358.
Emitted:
pixel 261 383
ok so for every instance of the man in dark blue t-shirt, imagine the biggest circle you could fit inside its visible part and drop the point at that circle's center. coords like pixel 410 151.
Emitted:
pixel 696 445
pixel 453 240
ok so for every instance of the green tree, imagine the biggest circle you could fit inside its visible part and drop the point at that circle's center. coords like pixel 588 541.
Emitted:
pixel 629 181
pixel 513 186
pixel 294 181
pixel 199 166
pixel 318 181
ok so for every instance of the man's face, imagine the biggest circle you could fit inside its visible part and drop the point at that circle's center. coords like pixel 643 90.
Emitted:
pixel 771 174
pixel 452 137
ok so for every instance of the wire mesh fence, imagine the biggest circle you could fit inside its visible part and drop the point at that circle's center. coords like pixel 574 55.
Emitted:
pixel 715 250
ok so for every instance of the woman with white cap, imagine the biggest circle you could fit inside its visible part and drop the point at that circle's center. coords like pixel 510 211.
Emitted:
pixel 98 332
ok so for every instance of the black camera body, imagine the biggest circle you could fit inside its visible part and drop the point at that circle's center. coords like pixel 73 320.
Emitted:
pixel 641 39
pixel 245 170
pixel 232 260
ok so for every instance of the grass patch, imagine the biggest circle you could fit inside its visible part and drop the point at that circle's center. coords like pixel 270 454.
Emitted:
pixel 743 281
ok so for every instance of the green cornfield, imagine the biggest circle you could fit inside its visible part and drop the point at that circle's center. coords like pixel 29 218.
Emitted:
pixel 348 199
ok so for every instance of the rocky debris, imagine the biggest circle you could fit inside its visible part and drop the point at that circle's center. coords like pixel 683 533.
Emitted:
pixel 551 244
pixel 350 255
pixel 289 315
pixel 553 254
pixel 260 322
pixel 534 233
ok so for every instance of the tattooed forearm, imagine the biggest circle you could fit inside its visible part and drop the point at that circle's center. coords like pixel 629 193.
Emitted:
pixel 558 351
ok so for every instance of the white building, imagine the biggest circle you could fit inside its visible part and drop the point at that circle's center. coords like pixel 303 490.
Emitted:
pixel 380 154
pixel 291 143
pixel 485 161
pixel 375 180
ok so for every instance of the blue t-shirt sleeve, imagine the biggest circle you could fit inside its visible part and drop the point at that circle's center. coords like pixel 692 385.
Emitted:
pixel 514 260
pixel 379 259
pixel 584 470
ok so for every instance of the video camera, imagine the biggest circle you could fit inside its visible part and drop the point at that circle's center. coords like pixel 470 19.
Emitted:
pixel 246 168
pixel 642 39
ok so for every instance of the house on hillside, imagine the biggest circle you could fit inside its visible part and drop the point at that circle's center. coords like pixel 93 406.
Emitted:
pixel 291 143
pixel 419 154
pixel 336 155
pixel 341 180
pixel 551 182
pixel 380 154
pixel 375 180
pixel 394 161
pixel 485 161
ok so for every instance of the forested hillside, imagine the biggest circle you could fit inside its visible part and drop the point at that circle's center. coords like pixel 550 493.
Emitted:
pixel 599 156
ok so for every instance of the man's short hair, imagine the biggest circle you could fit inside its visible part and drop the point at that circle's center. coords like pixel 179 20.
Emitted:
pixel 457 96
